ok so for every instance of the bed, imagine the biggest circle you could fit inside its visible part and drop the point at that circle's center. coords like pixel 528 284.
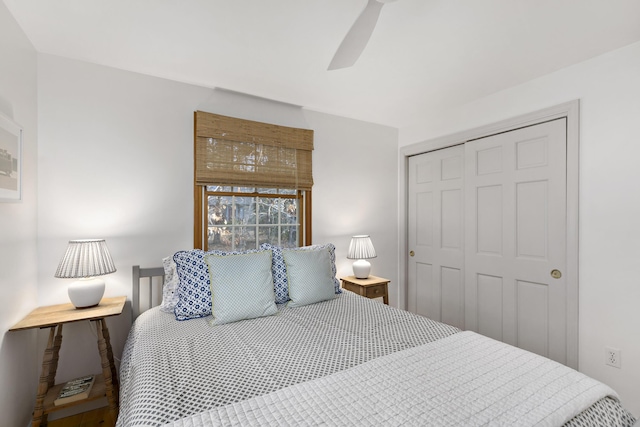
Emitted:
pixel 344 360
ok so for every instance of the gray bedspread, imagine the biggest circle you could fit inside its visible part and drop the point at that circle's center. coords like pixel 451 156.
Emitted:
pixel 171 370
pixel 464 379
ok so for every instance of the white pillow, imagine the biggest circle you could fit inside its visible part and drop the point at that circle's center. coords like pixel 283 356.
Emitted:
pixel 171 281
pixel 241 286
pixel 309 276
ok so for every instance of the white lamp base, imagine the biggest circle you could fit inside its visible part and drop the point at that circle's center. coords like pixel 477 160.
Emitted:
pixel 85 293
pixel 361 269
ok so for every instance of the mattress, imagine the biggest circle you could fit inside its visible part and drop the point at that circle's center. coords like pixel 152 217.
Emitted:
pixel 184 372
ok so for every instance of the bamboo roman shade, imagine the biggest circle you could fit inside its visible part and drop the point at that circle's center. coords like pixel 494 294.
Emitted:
pixel 230 151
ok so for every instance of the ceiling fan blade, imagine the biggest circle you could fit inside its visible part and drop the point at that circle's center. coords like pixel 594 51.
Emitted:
pixel 358 36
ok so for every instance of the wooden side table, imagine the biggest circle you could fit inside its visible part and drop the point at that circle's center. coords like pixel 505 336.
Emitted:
pixel 371 287
pixel 54 317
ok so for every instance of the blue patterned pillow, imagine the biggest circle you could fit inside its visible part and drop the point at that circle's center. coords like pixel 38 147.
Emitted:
pixel 279 273
pixel 279 269
pixel 194 289
pixel 241 286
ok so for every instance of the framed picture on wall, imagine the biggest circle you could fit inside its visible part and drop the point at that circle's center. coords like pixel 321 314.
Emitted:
pixel 10 160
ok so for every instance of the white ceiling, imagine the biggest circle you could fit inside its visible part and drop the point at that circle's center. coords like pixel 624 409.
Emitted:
pixel 423 54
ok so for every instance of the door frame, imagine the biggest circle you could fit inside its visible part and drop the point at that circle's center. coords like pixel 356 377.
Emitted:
pixel 569 110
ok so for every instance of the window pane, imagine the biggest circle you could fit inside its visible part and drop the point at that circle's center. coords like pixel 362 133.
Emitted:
pixel 244 189
pixel 244 211
pixel 289 211
pixel 220 216
pixel 286 191
pixel 269 234
pixel 289 236
pixel 268 210
pixel 268 190
pixel 245 238
pixel 218 188
pixel 220 210
pixel 219 239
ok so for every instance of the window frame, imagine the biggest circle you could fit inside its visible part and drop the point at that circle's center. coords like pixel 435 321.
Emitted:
pixel 201 211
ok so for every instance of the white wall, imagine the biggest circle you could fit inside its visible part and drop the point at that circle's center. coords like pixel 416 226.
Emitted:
pixel 609 89
pixel 355 186
pixel 18 262
pixel 115 161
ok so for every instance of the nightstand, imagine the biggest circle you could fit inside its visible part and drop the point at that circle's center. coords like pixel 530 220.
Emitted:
pixel 54 317
pixel 371 287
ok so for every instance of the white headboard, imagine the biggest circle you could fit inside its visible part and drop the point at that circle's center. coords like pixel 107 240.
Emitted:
pixel 151 281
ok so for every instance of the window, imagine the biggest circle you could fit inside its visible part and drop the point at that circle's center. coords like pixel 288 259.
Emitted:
pixel 240 218
pixel 252 184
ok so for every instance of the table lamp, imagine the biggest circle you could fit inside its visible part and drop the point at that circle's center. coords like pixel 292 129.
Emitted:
pixel 84 260
pixel 361 249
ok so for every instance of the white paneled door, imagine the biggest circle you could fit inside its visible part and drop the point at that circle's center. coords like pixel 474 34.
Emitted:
pixel 506 268
pixel 436 235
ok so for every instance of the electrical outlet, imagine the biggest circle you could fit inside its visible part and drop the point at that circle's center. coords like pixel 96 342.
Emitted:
pixel 613 357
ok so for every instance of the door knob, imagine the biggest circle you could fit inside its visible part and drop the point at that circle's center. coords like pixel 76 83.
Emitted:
pixel 556 274
pixel 411 253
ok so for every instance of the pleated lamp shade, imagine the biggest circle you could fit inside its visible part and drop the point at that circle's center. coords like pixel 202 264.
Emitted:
pixel 86 259
pixel 361 249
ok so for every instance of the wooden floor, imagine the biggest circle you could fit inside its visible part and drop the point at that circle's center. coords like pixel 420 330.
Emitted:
pixel 97 418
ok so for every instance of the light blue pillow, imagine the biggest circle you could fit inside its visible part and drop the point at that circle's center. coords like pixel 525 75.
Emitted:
pixel 194 287
pixel 309 276
pixel 279 269
pixel 241 286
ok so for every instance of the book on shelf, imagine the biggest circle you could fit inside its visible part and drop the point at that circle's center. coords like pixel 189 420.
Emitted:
pixel 76 389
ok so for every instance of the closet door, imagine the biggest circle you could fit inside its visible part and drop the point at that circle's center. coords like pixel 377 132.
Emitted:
pixel 515 238
pixel 435 235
